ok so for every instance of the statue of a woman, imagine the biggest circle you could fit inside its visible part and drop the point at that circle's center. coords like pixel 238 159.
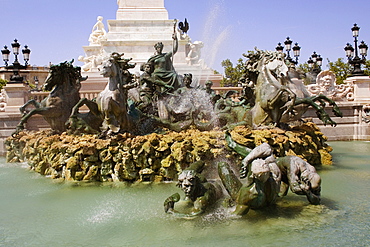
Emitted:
pixel 164 74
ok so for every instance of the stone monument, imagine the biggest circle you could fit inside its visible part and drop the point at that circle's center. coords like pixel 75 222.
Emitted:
pixel 139 25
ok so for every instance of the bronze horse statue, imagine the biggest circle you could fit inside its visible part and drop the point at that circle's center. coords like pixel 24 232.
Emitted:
pixel 109 112
pixel 64 82
pixel 278 98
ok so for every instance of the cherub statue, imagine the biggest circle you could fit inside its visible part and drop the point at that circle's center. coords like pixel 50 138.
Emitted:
pixel 199 193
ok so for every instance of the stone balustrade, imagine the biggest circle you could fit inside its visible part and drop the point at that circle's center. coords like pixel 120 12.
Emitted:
pixel 39 95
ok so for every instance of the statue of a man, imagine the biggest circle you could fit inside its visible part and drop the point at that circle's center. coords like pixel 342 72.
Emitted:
pixel 292 171
pixel 199 193
pixel 164 74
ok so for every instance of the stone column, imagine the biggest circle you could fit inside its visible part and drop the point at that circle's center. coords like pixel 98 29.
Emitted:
pixel 141 10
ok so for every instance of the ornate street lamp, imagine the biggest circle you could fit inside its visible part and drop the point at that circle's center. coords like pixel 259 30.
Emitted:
pixel 288 47
pixel 315 62
pixel 353 55
pixel 16 66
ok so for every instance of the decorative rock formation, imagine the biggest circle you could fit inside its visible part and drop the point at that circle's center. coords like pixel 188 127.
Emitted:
pixel 154 157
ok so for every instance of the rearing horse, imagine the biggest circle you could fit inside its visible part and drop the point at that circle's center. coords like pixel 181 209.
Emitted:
pixel 110 107
pixel 65 82
pixel 274 98
pixel 278 99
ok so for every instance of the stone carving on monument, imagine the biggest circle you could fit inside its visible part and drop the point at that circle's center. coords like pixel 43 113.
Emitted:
pixel 194 55
pixel 92 63
pixel 366 113
pixel 3 99
pixel 326 85
pixel 98 33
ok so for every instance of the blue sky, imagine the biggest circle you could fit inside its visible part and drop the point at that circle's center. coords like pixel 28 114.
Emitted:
pixel 56 30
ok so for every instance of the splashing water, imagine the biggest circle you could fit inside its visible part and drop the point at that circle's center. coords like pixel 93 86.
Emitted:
pixel 192 100
pixel 214 37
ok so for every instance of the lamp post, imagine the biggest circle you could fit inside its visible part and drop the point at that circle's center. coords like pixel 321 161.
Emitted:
pixel 288 47
pixel 353 55
pixel 315 62
pixel 16 66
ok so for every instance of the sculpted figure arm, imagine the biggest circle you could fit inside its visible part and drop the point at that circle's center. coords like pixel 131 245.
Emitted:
pixel 169 203
pixel 240 149
pixel 202 202
pixel 175 45
pixel 302 177
pixel 262 151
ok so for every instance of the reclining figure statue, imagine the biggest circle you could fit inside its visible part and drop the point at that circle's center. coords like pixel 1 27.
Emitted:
pixel 264 175
pixel 262 183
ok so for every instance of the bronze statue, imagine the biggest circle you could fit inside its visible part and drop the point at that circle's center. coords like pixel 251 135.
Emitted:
pixel 109 112
pixel 260 189
pixel 199 193
pixel 147 90
pixel 164 74
pixel 301 177
pixel 64 82
pixel 209 89
pixel 278 99
pixel 262 183
pixel 187 80
pixel 293 171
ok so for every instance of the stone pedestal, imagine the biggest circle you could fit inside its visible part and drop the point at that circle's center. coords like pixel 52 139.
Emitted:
pixel 361 87
pixel 16 95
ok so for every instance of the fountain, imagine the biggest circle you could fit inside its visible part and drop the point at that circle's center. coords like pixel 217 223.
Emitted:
pixel 229 158
pixel 152 129
pixel 118 140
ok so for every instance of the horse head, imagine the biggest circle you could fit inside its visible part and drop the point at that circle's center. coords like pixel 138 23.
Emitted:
pixel 275 63
pixel 63 74
pixel 116 68
pixel 109 68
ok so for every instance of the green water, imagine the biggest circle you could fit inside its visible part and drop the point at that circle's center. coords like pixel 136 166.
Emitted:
pixel 39 211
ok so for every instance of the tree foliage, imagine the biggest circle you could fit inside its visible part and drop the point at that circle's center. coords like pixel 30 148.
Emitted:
pixel 341 69
pixel 303 69
pixel 2 83
pixel 232 74
pixel 367 67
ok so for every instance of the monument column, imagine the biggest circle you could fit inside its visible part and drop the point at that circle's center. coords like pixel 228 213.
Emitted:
pixel 141 10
